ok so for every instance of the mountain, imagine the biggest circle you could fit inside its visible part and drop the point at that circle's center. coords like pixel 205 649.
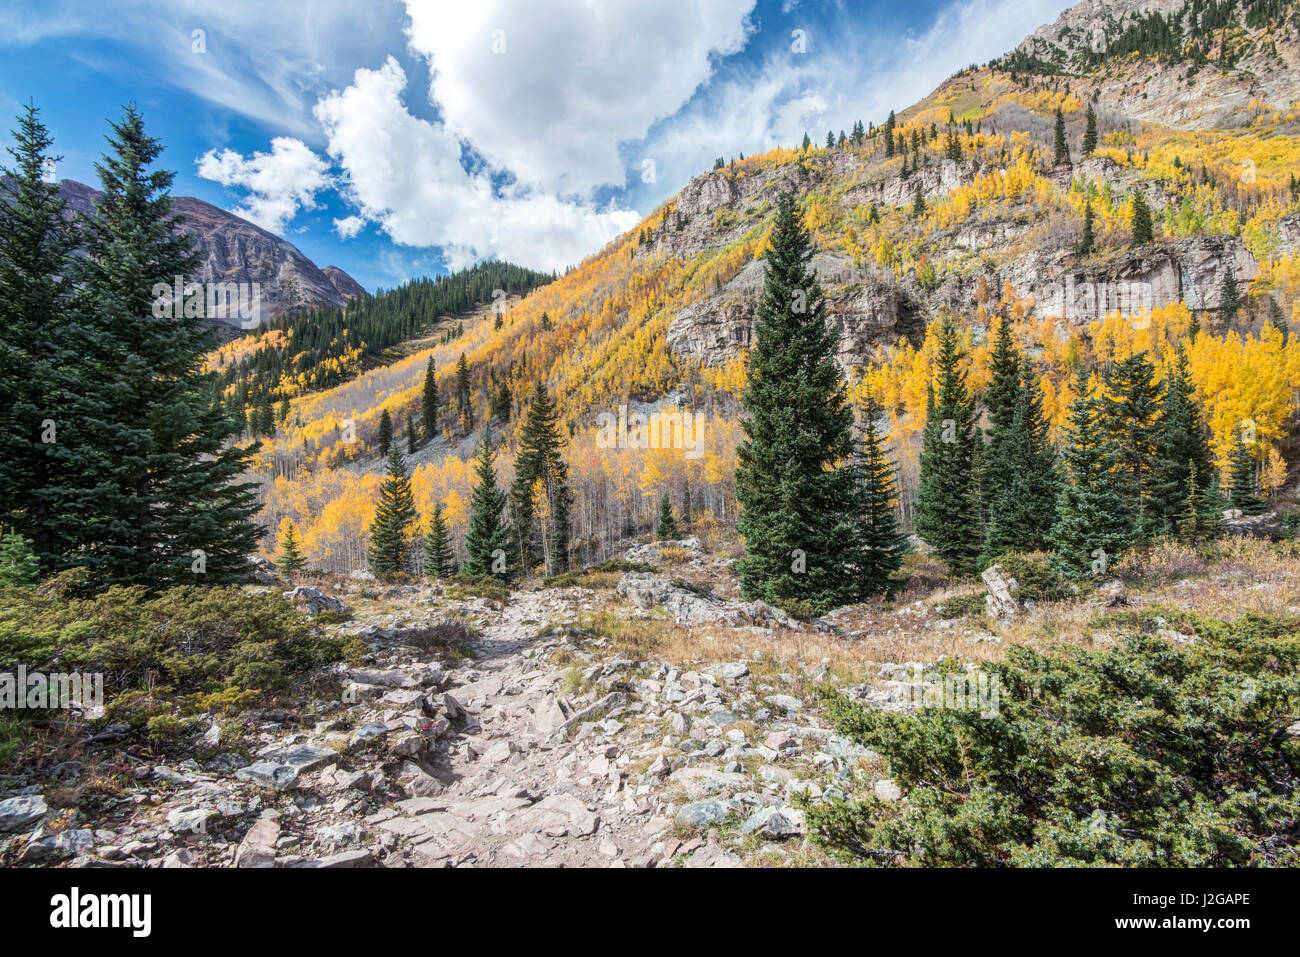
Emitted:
pixel 956 204
pixel 235 250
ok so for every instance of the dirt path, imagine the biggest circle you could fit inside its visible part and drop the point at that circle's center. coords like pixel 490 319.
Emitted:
pixel 519 791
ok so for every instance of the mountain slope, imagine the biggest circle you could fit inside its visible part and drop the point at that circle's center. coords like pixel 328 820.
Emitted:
pixel 663 314
pixel 235 250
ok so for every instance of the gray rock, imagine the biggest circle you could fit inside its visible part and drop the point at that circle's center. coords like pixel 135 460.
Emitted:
pixel 701 814
pixel 19 813
pixel 269 774
pixel 257 849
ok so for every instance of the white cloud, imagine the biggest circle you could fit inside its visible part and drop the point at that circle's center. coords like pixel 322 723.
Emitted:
pixel 550 90
pixel 349 226
pixel 405 174
pixel 279 182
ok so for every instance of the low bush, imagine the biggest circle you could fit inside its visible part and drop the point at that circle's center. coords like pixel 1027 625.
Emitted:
pixel 1152 753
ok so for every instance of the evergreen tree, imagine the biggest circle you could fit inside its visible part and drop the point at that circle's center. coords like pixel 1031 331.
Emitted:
pixel 918 204
pixel 385 438
pixel 540 462
pixel 794 491
pixel 1182 452
pixel 1244 471
pixel 1278 318
pixel 1090 530
pixel 1142 228
pixel 1198 520
pixel 162 500
pixel 429 404
pixel 1061 146
pixel 39 355
pixel 1090 133
pixel 1133 405
pixel 806 143
pixel 291 560
pixel 18 564
pixel 412 440
pixel 953 149
pixel 888 131
pixel 830 139
pixel 438 559
pixel 1229 294
pixel 463 396
pixel 879 545
pixel 1085 244
pixel 502 402
pixel 947 501
pixel 388 553
pixel 666 527
pixel 487 539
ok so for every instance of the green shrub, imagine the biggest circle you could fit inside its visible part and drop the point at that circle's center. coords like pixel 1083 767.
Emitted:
pixel 959 606
pixel 167 653
pixel 622 565
pixel 1037 580
pixel 1152 753
pixel 494 589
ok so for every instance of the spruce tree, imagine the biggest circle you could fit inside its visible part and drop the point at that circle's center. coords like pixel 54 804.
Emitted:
pixel 666 529
pixel 1090 133
pixel 1143 233
pixel 1086 240
pixel 39 348
pixel 1244 471
pixel 1229 294
pixel 947 501
pixel 463 396
pixel 429 404
pixel 438 559
pixel 385 437
pixel 162 500
pixel 918 204
pixel 540 464
pixel 794 490
pixel 1182 452
pixel 1090 530
pixel 1061 146
pixel 487 539
pixel 291 560
pixel 1133 405
pixel 412 440
pixel 18 564
pixel 388 553
pixel 879 545
pixel 1198 520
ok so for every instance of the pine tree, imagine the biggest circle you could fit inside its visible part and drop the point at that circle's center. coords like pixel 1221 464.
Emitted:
pixel 1062 147
pixel 1182 452
pixel 291 560
pixel 1198 520
pixel 1085 244
pixel 1229 294
pixel 502 402
pixel 1142 228
pixel 412 440
pixel 463 396
pixel 388 553
pixel 1018 466
pixel 438 559
pixel 794 491
pixel 18 564
pixel 830 139
pixel 879 545
pixel 385 437
pixel 487 539
pixel 918 204
pixel 1090 530
pixel 1132 409
pixel 39 354
pixel 1090 133
pixel 806 143
pixel 947 501
pixel 666 529
pixel 1244 471
pixel 888 130
pixel 1278 318
pixel 540 461
pixel 163 500
pixel 429 404
pixel 953 149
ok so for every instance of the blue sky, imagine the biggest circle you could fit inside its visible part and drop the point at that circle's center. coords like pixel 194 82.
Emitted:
pixel 399 138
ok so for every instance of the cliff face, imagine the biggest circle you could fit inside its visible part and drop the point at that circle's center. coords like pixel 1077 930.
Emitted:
pixel 233 250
